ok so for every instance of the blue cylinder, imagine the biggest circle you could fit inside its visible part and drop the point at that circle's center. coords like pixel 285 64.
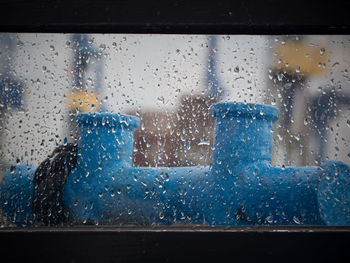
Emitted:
pixel 243 133
pixel 105 140
pixel 259 193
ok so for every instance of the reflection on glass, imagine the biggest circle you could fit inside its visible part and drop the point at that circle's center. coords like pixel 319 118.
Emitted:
pixel 200 150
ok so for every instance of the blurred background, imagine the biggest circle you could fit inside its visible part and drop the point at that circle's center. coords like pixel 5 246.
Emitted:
pixel 170 82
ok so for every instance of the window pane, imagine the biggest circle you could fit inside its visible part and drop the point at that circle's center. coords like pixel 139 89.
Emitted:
pixel 147 130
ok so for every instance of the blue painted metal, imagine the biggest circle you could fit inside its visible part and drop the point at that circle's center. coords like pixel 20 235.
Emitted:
pixel 16 194
pixel 240 187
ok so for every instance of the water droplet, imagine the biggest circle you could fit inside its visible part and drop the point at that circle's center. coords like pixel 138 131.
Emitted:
pixel 161 99
pixel 204 142
pixel 296 220
pixel 103 46
pixel 161 215
pixel 280 77
pixel 322 51
pixel 269 219
pixel 20 43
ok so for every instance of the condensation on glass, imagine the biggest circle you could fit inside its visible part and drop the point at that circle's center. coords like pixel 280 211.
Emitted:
pixel 167 130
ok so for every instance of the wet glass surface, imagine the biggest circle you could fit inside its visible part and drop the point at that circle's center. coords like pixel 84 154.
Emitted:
pixel 177 164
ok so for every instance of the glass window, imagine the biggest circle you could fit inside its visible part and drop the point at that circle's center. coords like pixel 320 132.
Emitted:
pixel 148 130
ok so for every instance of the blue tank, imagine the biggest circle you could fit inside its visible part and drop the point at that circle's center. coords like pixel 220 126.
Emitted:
pixel 240 187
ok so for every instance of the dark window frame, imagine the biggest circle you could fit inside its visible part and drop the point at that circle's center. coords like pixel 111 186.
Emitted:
pixel 305 243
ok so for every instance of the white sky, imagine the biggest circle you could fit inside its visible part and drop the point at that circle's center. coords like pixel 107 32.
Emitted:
pixel 141 72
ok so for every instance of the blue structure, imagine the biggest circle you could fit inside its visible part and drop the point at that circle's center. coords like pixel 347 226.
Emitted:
pixel 215 88
pixel 83 51
pixel 240 187
pixel 11 87
pixel 324 107
pixel 16 194
pixel 11 90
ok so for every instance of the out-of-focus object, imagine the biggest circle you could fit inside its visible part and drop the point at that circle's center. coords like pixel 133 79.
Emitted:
pixel 11 88
pixel 215 90
pixel 83 101
pixel 294 61
pixel 10 91
pixel 81 98
pixel 48 181
pixel 183 137
pixel 297 57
